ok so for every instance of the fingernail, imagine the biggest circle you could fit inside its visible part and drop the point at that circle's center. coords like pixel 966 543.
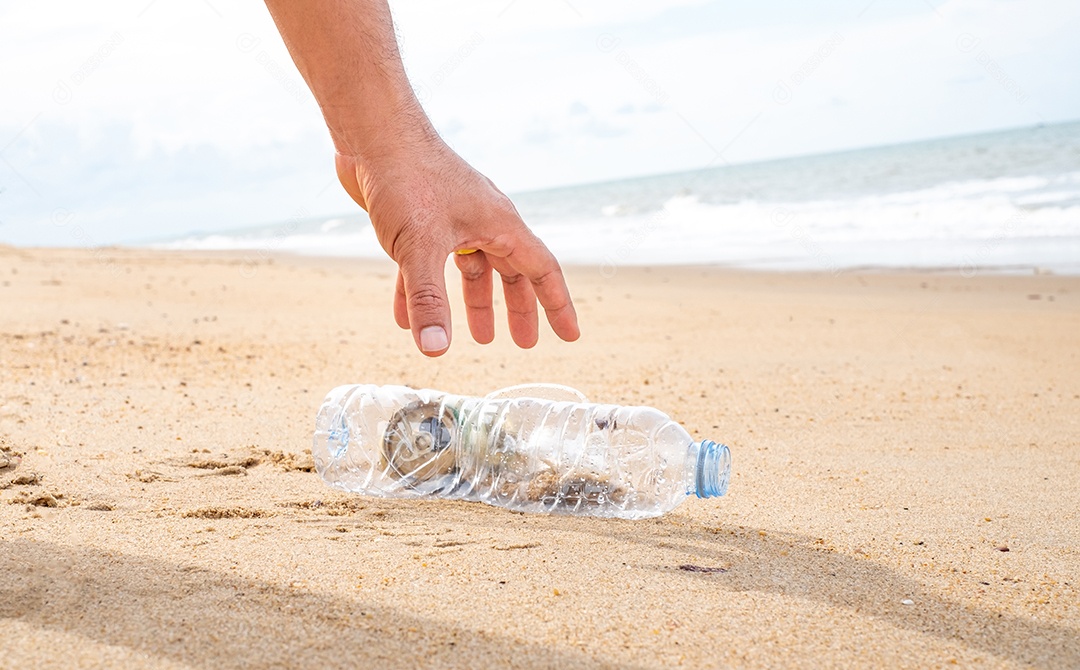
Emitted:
pixel 433 338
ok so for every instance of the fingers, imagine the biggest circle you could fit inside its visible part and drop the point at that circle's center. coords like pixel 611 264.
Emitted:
pixel 554 295
pixel 529 273
pixel 401 305
pixel 428 313
pixel 538 265
pixel 520 304
pixel 476 288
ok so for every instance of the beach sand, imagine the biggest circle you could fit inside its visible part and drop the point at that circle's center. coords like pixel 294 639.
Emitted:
pixel 905 489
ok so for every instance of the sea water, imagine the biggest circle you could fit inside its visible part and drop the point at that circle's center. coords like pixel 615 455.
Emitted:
pixel 1006 201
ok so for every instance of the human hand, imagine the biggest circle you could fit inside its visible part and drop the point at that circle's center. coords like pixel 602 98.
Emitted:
pixel 425 202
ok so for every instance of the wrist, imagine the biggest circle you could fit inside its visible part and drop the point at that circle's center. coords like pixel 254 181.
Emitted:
pixel 381 132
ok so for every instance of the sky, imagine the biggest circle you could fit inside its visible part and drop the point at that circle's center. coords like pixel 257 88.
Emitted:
pixel 145 119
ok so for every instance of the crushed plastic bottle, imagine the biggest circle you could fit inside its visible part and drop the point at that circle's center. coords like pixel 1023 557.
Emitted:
pixel 539 448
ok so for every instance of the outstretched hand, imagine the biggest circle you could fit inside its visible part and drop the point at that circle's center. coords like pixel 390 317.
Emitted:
pixel 425 203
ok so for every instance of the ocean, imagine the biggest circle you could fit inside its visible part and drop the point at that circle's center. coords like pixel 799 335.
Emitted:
pixel 1004 202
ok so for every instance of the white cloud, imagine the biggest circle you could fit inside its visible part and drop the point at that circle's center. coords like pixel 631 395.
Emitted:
pixel 192 115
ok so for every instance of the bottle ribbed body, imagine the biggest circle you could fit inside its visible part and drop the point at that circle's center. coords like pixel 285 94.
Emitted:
pixel 525 454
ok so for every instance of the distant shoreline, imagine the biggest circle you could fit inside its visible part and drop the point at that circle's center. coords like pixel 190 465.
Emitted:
pixel 258 256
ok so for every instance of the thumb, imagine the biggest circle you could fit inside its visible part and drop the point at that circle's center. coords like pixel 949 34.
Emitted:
pixel 425 299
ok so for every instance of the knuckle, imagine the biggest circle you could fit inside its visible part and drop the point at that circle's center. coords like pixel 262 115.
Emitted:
pixel 548 277
pixel 404 240
pixel 502 207
pixel 473 267
pixel 522 311
pixel 472 274
pixel 426 296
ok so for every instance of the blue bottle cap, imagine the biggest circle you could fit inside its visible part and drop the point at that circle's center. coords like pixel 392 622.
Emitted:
pixel 713 469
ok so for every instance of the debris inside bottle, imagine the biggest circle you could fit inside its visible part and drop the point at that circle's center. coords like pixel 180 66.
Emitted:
pixel 418 446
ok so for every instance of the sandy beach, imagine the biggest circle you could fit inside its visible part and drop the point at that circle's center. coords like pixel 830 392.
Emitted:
pixel 905 490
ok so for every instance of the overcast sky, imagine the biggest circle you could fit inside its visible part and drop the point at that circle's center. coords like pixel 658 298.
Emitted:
pixel 142 119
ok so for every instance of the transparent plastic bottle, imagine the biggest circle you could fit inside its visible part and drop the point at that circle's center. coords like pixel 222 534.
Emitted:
pixel 536 448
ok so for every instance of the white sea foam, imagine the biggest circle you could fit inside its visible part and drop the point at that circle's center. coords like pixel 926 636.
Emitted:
pixel 936 226
pixel 360 244
pixel 1032 220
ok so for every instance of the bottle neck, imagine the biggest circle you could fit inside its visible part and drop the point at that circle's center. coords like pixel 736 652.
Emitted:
pixel 713 470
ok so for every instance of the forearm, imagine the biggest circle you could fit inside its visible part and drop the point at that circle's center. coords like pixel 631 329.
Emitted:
pixel 424 201
pixel 347 52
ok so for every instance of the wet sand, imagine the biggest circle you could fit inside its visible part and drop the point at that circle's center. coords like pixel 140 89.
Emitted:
pixel 905 486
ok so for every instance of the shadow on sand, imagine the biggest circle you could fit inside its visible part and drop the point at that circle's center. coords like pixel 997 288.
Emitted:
pixel 793 566
pixel 204 618
pixel 146 605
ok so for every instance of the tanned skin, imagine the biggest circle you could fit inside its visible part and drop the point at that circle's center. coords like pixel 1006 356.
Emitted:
pixel 424 201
